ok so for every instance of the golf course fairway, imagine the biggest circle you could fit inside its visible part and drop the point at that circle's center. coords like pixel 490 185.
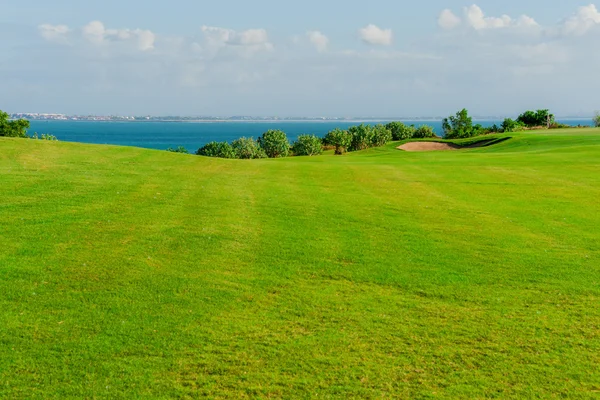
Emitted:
pixel 133 273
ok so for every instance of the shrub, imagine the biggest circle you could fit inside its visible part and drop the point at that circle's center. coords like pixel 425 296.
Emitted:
pixel 510 125
pixel 460 126
pixel 274 143
pixel 307 145
pixel 16 128
pixel 179 149
pixel 217 149
pixel 362 137
pixel 536 118
pixel 558 125
pixel 381 136
pixel 341 140
pixel 597 120
pixel 424 131
pixel 43 136
pixel 400 131
pixel 247 149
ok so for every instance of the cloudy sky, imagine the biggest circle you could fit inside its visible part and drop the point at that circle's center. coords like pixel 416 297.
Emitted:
pixel 299 58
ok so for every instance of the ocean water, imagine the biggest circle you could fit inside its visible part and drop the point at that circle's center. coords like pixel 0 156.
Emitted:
pixel 193 135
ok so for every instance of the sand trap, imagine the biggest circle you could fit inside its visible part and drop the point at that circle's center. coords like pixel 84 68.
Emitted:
pixel 428 146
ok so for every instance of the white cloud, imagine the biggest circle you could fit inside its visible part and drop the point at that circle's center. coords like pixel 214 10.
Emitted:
pixel 318 40
pixel 96 33
pixel 584 19
pixel 448 20
pixel 250 37
pixel 372 34
pixel 54 33
pixel 475 18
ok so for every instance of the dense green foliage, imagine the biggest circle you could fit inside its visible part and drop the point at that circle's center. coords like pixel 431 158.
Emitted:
pixel 17 128
pixel 178 149
pixel 510 125
pixel 536 118
pixel 597 120
pixel 400 131
pixel 247 149
pixel 340 139
pixel 459 125
pixel 217 149
pixel 362 137
pixel 381 136
pixel 129 273
pixel 275 143
pixel 307 145
pixel 424 132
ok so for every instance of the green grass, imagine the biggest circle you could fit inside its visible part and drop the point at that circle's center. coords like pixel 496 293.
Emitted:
pixel 131 273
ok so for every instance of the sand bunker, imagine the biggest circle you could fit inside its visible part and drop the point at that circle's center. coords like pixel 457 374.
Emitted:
pixel 428 146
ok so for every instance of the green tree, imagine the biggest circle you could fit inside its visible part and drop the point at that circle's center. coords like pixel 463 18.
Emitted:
pixel 424 131
pixel 308 145
pixel 400 131
pixel 17 128
pixel 597 119
pixel 247 149
pixel 459 125
pixel 536 118
pixel 217 149
pixel 510 125
pixel 342 140
pixel 178 149
pixel 275 143
pixel 381 136
pixel 362 137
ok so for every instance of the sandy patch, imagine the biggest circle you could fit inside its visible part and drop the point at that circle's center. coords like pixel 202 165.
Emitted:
pixel 428 146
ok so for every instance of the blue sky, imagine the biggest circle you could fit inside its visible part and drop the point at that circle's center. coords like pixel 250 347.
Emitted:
pixel 330 58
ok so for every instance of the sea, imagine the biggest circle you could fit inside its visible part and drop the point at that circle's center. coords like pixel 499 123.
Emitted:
pixel 193 135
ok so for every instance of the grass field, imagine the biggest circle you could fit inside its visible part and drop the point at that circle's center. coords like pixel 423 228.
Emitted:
pixel 131 273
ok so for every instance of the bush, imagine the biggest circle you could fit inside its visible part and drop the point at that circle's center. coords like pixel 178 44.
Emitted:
pixel 307 145
pixel 274 143
pixel 510 125
pixel 341 140
pixel 400 131
pixel 597 120
pixel 558 125
pixel 424 131
pixel 460 126
pixel 362 137
pixel 247 149
pixel 179 149
pixel 217 149
pixel 43 136
pixel 381 136
pixel 536 118
pixel 16 128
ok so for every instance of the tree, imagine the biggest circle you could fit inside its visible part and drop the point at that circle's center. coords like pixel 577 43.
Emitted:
pixel 342 140
pixel 307 145
pixel 217 149
pixel 274 143
pixel 400 131
pixel 510 125
pixel 179 149
pixel 17 128
pixel 362 137
pixel 536 118
pixel 247 149
pixel 597 119
pixel 459 125
pixel 424 131
pixel 381 136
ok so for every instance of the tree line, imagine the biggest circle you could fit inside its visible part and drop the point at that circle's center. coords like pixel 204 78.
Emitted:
pixel 461 125
pixel 275 144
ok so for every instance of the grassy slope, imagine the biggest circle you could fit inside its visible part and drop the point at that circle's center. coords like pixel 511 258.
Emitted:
pixel 134 273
